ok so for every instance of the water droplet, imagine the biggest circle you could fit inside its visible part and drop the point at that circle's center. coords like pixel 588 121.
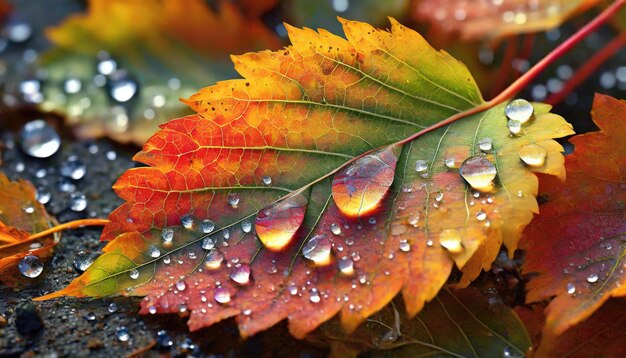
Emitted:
pixel 485 144
pixel 372 221
pixel 154 251
pixel 515 127
pixel 421 166
pixel 188 222
pixel 479 172
pixel 346 266
pixel 520 110
pixel 43 195
pixel 163 339
pixel 167 235
pixel 571 288
pixel 122 88
pixel 335 229
pixel 451 240
pixel 450 163
pixel 112 307
pixel 213 259
pixel 533 155
pixel 221 295
pixel 267 180
pixel 226 234
pixel 82 261
pixel 39 140
pixel 233 201
pixel 73 168
pixel 481 215
pixel 106 65
pixel 405 246
pixel 241 274
pixel 167 260
pixel 207 226
pixel 277 224
pixel 293 289
pixel 30 266
pixel 18 31
pixel 358 188
pixel 122 334
pixel 592 278
pixel 246 226
pixel 28 208
pixel 317 249
pixel 72 85
pixel 208 243
pixel 78 201
pixel 180 285
pixel 134 274
pixel 315 296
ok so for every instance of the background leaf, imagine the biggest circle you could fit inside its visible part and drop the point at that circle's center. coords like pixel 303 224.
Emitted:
pixel 577 245
pixel 272 141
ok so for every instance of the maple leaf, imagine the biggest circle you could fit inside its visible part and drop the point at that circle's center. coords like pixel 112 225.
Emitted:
pixel 25 215
pixel 295 193
pixel 466 323
pixel 164 54
pixel 578 243
pixel 478 20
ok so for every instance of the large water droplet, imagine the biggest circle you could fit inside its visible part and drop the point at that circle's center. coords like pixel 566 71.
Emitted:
pixel 519 109
pixel 533 155
pixel 207 226
pixel 82 261
pixel 317 249
pixel 241 274
pixel 30 266
pixel 451 240
pixel 73 168
pixel 221 295
pixel 479 172
pixel 39 140
pixel 346 266
pixel 213 259
pixel 358 188
pixel 592 278
pixel 277 224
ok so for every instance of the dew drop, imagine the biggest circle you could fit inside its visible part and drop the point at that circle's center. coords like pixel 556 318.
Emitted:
pixel 167 260
pixel 241 274
pixel 246 226
pixel 479 172
pixel 533 155
pixel 233 201
pixel 167 235
pixel 30 266
pixel 515 127
pixel 122 88
pixel 485 144
pixel 346 266
pixel 317 249
pixel 112 307
pixel 43 195
pixel 450 239
pixel 571 288
pixel 72 85
pixel 481 215
pixel 214 259
pixel 82 261
pixel 519 110
pixel 154 251
pixel 39 140
pixel 314 297
pixel 335 229
pixel 221 295
pixel 180 285
pixel 358 188
pixel 405 246
pixel 208 243
pixel 267 180
pixel 450 163
pixel 134 274
pixel 73 168
pixel 152 310
pixel 293 289
pixel 372 220
pixel 28 208
pixel 592 278
pixel 277 224
pixel 421 166
pixel 207 226
pixel 188 222
pixel 78 201
pixel 122 334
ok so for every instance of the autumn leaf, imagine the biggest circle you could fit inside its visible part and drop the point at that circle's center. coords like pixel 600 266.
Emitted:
pixel 150 62
pixel 299 191
pixel 481 19
pixel 466 323
pixel 577 245
pixel 20 215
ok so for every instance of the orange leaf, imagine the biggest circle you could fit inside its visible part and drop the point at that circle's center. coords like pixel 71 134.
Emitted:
pixel 578 243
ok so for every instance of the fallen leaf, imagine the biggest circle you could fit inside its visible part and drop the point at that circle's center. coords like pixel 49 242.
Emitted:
pixel 478 20
pixel 348 216
pixel 25 215
pixel 578 243
pixel 465 323
pixel 154 59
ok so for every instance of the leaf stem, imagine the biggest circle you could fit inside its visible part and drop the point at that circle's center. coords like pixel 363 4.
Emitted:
pixel 69 225
pixel 589 67
pixel 531 74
